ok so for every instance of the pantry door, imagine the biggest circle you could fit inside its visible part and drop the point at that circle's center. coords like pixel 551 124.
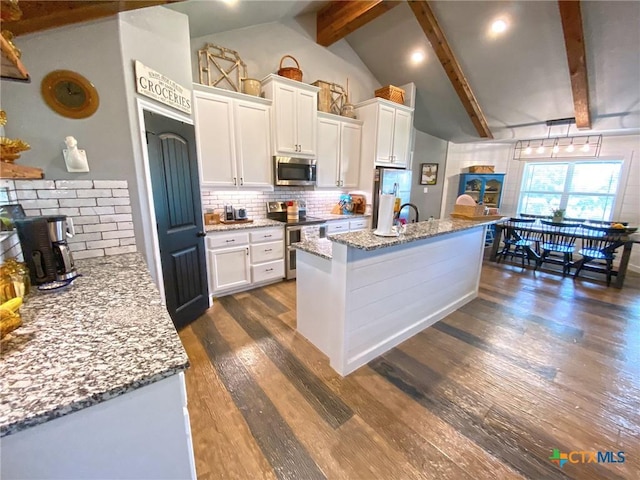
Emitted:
pixel 176 195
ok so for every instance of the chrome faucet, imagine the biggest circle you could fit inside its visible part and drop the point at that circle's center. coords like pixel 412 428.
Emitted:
pixel 409 205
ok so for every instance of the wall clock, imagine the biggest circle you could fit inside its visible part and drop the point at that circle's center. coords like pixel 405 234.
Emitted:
pixel 69 94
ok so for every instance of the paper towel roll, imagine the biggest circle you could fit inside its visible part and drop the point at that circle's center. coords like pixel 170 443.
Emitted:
pixel 385 214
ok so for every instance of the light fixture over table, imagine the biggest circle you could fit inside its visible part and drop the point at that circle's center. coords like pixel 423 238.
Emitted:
pixel 583 146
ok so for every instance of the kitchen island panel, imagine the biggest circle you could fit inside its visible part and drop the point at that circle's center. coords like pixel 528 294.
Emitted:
pixel 364 302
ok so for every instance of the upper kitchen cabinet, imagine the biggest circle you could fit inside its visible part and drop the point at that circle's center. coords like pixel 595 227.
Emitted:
pixel 339 145
pixel 386 132
pixel 484 188
pixel 295 108
pixel 233 136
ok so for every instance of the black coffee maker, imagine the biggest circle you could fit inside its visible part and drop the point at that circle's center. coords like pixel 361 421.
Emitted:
pixel 45 249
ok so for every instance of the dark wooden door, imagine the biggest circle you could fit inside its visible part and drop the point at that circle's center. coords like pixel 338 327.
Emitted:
pixel 176 195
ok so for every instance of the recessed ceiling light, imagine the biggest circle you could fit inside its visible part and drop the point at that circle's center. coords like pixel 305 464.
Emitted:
pixel 540 149
pixel 499 26
pixel 230 2
pixel 417 56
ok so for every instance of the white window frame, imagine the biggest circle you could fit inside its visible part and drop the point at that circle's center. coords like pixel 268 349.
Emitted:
pixel 564 195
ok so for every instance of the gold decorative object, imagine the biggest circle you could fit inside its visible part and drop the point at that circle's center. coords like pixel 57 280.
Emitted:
pixel 10 149
pixel 3 118
pixel 227 62
pixel 8 36
pixel 10 11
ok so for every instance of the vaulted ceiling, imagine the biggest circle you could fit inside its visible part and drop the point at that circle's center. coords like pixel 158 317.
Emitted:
pixel 519 79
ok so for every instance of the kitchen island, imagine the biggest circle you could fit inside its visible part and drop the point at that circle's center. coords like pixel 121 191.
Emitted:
pixel 359 295
pixel 92 384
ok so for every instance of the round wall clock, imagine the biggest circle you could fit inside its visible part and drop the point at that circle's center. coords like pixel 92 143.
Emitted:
pixel 70 94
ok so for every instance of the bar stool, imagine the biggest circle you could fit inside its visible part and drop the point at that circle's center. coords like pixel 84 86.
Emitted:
pixel 516 239
pixel 558 238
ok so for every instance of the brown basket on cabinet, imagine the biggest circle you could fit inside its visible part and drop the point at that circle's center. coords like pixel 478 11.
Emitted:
pixel 469 210
pixel 294 73
pixel 392 93
pixel 482 169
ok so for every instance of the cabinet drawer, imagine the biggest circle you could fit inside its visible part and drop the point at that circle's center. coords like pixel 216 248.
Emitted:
pixel 267 235
pixel 265 252
pixel 226 240
pixel 267 271
pixel 359 224
pixel 338 227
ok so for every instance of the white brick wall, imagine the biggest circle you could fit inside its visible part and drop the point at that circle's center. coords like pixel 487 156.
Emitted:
pixel 318 202
pixel 100 210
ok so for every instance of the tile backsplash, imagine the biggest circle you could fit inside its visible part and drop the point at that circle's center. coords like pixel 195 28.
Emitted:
pixel 100 210
pixel 318 202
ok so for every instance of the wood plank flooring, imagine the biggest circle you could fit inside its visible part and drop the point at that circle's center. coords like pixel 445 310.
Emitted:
pixel 537 362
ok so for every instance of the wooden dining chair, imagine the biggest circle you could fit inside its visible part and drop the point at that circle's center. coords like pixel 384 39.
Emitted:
pixel 558 240
pixel 599 244
pixel 515 238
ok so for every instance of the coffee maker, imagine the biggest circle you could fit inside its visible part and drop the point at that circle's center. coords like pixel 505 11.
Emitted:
pixel 45 248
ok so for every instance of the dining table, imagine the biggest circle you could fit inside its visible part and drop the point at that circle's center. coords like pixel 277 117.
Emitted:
pixel 624 239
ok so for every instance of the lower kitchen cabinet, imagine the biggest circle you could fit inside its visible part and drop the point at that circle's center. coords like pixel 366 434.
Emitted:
pixel 242 259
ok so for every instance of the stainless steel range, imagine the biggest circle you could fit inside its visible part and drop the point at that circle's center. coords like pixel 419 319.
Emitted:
pixel 305 227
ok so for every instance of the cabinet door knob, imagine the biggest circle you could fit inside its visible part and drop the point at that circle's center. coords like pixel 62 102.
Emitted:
pixel 241 181
pixel 234 181
pixel 201 234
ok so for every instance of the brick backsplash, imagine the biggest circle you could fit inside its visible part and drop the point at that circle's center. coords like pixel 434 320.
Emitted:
pixel 318 202
pixel 100 210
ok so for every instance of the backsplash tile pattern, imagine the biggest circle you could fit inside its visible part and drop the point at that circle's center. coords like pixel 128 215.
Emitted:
pixel 100 210
pixel 319 202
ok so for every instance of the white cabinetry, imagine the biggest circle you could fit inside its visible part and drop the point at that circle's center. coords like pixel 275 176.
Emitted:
pixel 339 144
pixel 389 131
pixel 229 265
pixel 338 226
pixel 359 224
pixel 350 225
pixel 295 107
pixel 233 137
pixel 238 260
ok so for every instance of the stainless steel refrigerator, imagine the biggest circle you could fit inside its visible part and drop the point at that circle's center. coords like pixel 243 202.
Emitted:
pixel 391 181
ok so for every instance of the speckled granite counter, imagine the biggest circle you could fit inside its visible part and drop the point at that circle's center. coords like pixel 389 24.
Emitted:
pixel 335 216
pixel 320 247
pixel 257 223
pixel 105 335
pixel 367 240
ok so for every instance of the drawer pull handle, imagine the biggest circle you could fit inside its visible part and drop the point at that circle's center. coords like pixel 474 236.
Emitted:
pixel 229 241
pixel 269 270
pixel 268 236
pixel 268 250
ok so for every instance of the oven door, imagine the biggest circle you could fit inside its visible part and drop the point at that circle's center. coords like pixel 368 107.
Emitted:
pixel 294 171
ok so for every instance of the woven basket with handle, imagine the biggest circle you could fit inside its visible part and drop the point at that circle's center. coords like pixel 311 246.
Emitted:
pixel 392 93
pixel 294 73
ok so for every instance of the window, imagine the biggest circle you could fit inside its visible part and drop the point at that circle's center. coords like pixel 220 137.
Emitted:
pixel 584 189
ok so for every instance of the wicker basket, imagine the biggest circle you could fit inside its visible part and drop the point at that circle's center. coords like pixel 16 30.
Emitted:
pixel 294 73
pixel 482 169
pixel 392 93
pixel 469 210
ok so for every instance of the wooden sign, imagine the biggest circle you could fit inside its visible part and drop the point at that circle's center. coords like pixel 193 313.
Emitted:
pixel 154 85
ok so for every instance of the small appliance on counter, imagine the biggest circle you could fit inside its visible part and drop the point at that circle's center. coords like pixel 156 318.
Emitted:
pixel 228 213
pixel 45 249
pixel 240 214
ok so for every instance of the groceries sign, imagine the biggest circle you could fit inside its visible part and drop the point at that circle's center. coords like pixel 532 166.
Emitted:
pixel 155 85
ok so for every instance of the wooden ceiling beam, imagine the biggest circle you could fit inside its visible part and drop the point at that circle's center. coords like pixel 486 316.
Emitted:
pixel 571 17
pixel 43 15
pixel 338 19
pixel 436 37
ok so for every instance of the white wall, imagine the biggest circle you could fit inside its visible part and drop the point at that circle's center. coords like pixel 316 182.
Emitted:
pixel 625 147
pixel 262 46
pixel 428 149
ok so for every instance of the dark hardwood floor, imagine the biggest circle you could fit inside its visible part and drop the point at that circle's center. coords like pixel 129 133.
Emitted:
pixel 537 362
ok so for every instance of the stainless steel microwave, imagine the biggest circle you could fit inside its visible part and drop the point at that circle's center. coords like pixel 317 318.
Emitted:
pixel 294 171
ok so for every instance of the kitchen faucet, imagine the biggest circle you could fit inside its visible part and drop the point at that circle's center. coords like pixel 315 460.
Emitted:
pixel 408 205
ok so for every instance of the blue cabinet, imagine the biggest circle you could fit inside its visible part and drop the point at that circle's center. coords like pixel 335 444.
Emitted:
pixel 484 188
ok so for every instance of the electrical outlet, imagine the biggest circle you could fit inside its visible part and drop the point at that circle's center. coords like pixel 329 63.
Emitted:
pixel 426 189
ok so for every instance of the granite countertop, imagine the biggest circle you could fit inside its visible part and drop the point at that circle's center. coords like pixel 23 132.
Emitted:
pixel 105 335
pixel 318 246
pixel 367 240
pixel 336 216
pixel 257 223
